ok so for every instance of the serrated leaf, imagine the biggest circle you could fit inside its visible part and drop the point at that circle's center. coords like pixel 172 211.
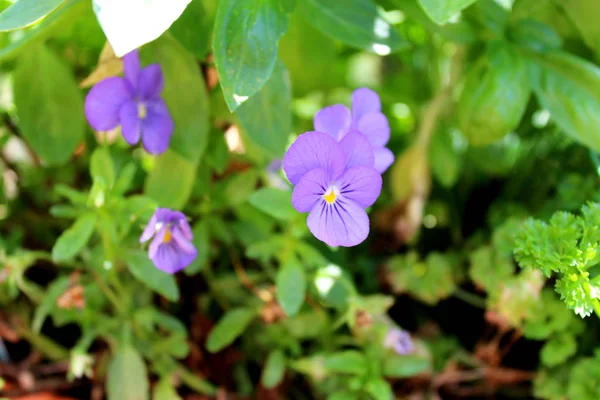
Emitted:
pixel 142 268
pixel 291 287
pixel 232 325
pixel 266 117
pixel 358 23
pixel 26 12
pixel 275 202
pixel 75 238
pixel 126 376
pixel 171 180
pixel 125 32
pixel 274 369
pixel 440 11
pixel 55 129
pixel 245 44
pixel 185 95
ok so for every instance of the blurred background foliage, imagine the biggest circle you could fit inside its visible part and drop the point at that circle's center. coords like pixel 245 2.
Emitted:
pixel 484 242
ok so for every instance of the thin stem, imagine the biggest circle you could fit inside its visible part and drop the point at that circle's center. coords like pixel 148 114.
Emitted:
pixel 110 295
pixel 469 298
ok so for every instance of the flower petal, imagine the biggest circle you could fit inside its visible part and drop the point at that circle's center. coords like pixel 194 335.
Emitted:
pixel 157 242
pixel 343 223
pixel 182 242
pixel 364 101
pixel 150 82
pixel 383 159
pixel 334 120
pixel 170 259
pixel 185 229
pixel 313 150
pixel 361 185
pixel 375 127
pixel 132 68
pixel 310 190
pixel 150 229
pixel 130 122
pixel 157 127
pixel 104 101
pixel 357 150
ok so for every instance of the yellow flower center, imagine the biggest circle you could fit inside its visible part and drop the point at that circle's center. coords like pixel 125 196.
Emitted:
pixel 142 112
pixel 329 196
pixel 167 237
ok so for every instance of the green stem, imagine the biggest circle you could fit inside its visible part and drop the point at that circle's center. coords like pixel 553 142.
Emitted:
pixel 110 295
pixel 195 382
pixel 47 346
pixel 469 298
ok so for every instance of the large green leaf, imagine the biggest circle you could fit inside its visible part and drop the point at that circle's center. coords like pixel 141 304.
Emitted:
pixel 584 14
pixel 347 361
pixel 142 269
pixel 274 202
pixel 495 96
pixel 291 287
pixel 245 42
pixel 194 28
pixel 274 369
pixel 267 116
pixel 25 12
pixel 126 376
pixel 358 23
pixel 132 23
pixel 185 95
pixel 171 180
pixel 440 11
pixel 73 239
pixel 569 88
pixel 49 105
pixel 232 325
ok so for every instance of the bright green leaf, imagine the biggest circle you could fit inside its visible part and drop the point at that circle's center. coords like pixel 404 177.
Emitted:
pixel 275 202
pixel 142 268
pixel 348 361
pixel 584 13
pixel 49 105
pixel 379 389
pixel 170 181
pixel 101 166
pixel 358 23
pixel 395 366
pixel 291 287
pixel 55 290
pixel 232 325
pixel 440 11
pixel 126 376
pixel 26 12
pixel 164 390
pixel 75 238
pixel 558 349
pixel 266 117
pixel 245 44
pixel 274 369
pixel 194 28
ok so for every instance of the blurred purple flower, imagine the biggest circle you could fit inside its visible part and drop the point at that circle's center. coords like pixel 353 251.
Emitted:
pixel 335 182
pixel 133 102
pixel 366 117
pixel 399 341
pixel 171 249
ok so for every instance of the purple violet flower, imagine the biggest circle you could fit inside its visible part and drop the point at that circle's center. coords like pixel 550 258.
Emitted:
pixel 334 182
pixel 133 102
pixel 399 341
pixel 171 249
pixel 366 117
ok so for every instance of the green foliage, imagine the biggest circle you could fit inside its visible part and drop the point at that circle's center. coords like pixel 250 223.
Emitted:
pixel 441 11
pixel 25 12
pixel 126 376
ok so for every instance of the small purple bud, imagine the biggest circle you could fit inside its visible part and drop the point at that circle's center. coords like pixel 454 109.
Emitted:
pixel 399 341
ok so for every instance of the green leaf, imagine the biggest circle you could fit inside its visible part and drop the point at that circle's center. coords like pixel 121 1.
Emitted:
pixel 26 12
pixel 267 117
pixel 379 389
pixel 274 370
pixel 395 366
pixel 444 158
pixel 440 11
pixel 558 349
pixel 584 13
pixel 245 44
pixel 55 290
pixel 275 202
pixel 232 325
pixel 185 95
pixel 152 18
pixel 495 96
pixel 75 238
pixel 101 166
pixel 194 28
pixel 349 362
pixel 142 268
pixel 49 105
pixel 171 180
pixel 201 241
pixel 291 287
pixel 164 390
pixel 126 376
pixel 569 88
pixel 358 23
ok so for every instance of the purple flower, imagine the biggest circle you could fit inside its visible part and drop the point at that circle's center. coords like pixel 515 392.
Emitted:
pixel 399 341
pixel 366 117
pixel 171 249
pixel 334 182
pixel 133 102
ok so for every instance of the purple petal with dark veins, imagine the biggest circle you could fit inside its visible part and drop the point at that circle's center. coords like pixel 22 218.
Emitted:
pixel 343 223
pixel 310 190
pixel 361 185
